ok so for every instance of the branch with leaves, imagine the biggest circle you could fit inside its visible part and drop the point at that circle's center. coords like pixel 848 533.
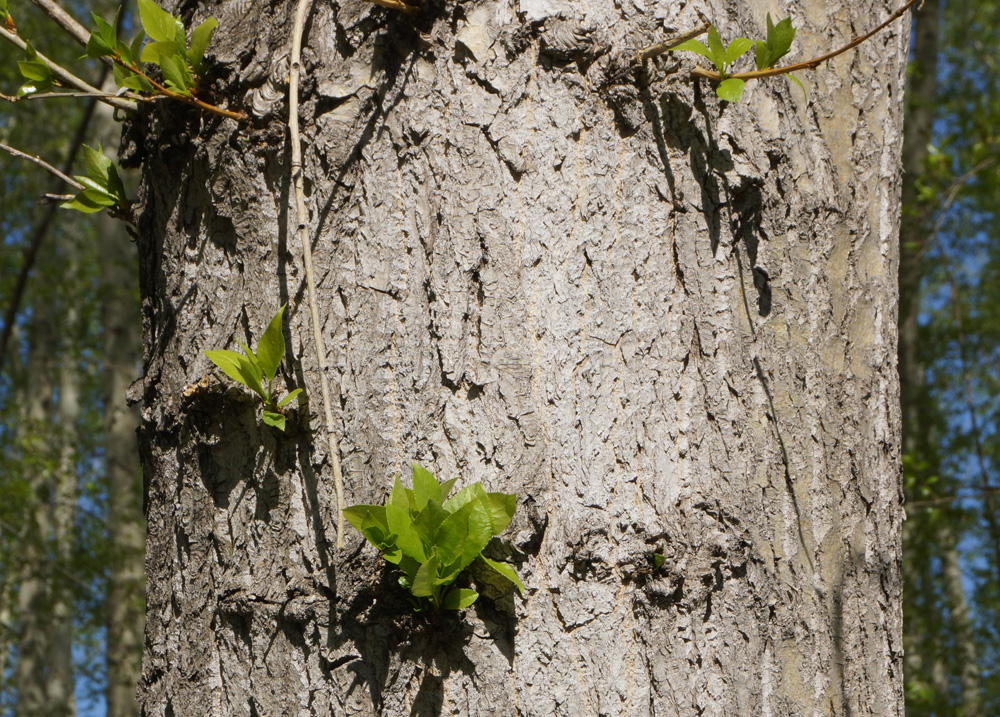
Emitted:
pixel 767 52
pixel 163 43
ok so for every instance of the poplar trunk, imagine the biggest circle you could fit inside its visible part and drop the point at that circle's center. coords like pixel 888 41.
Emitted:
pixel 665 323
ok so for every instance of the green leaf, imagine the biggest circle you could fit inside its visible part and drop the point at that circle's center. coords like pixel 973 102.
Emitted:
pixel 115 184
pixel 736 49
pixel 30 88
pixel 502 507
pixel 459 598
pixel 447 486
pixel 156 52
pixel 271 346
pixel 780 37
pixel 135 49
pixel 779 40
pixel 463 535
pixel 658 556
pixel 274 419
pixel 98 164
pixel 200 38
pixel 97 195
pixel 83 203
pixel 407 538
pixel 238 367
pixel 159 24
pixel 695 46
pixel 428 520
pixel 93 185
pixel 717 49
pixel 399 497
pixel 425 581
pixel 506 571
pixel 469 493
pixel 36 71
pixel 130 80
pixel 797 81
pixel 291 394
pixel 730 90
pixel 425 487
pixel 358 515
pixel 176 73
pixel 102 42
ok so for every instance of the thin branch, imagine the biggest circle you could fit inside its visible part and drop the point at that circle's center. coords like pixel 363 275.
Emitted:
pixel 64 20
pixel 68 78
pixel 37 237
pixel 951 197
pixel 303 232
pixel 396 5
pixel 951 498
pixel 62 95
pixel 186 99
pixel 808 64
pixel 43 164
pixel 659 48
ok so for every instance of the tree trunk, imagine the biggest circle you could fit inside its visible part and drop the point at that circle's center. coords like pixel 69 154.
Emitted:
pixel 126 525
pixel 43 674
pixel 949 636
pixel 661 321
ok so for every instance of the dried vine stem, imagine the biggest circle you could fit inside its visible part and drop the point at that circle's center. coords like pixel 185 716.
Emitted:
pixel 303 233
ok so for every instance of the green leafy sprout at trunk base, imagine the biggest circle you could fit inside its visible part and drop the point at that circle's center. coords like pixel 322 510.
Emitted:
pixel 250 368
pixel 432 538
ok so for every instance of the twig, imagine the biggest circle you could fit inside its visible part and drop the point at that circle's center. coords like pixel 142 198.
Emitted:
pixel 187 99
pixel 808 64
pixel 950 498
pixel 303 232
pixel 396 5
pixel 64 20
pixel 951 196
pixel 62 95
pixel 43 164
pixel 668 45
pixel 68 77
pixel 38 236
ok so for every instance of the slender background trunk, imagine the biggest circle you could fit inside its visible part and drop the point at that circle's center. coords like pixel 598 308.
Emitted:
pixel 126 524
pixel 659 320
pixel 938 623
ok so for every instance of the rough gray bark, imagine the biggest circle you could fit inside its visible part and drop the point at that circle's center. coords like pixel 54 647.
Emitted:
pixel 657 320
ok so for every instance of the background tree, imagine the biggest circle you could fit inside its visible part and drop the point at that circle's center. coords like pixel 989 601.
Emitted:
pixel 948 344
pixel 71 516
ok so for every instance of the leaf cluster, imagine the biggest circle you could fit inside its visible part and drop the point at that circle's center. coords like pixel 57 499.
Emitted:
pixel 767 52
pixel 102 185
pixel 167 47
pixel 251 368
pixel 722 56
pixel 433 538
